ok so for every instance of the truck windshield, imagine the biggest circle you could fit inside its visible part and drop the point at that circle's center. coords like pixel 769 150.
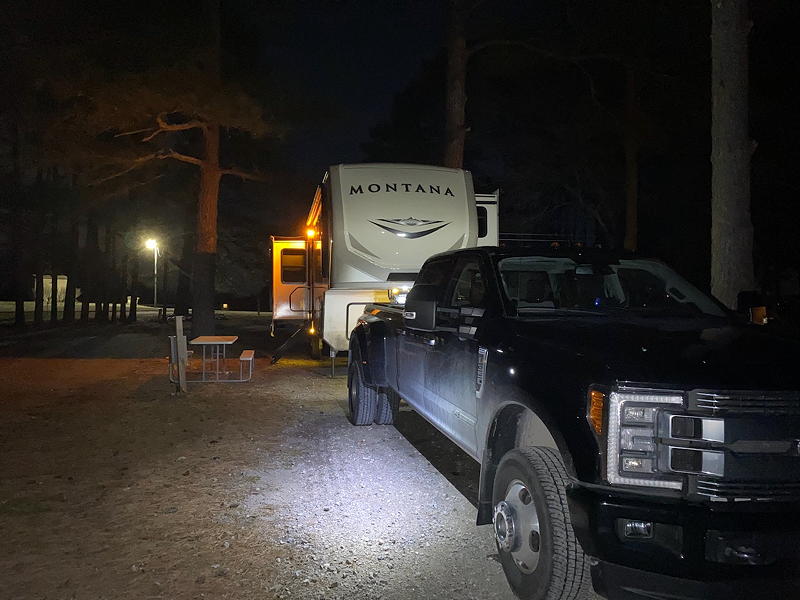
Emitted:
pixel 646 287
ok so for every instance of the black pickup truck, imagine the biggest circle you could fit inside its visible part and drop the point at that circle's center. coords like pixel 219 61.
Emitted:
pixel 632 432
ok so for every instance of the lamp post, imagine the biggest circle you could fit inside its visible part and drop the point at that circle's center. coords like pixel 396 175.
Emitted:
pixel 152 244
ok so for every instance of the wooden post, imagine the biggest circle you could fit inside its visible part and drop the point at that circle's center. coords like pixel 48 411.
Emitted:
pixel 182 352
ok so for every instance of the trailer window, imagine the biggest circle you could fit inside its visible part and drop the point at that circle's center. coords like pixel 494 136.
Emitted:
pixel 293 265
pixel 483 222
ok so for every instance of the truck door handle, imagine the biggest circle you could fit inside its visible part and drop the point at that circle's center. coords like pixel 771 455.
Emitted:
pixel 430 341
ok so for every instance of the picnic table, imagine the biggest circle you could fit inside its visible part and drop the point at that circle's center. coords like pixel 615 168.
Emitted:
pixel 217 344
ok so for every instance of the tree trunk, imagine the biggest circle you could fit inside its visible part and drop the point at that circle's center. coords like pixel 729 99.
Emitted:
pixel 164 279
pixel 631 162
pixel 85 285
pixel 89 281
pixel 731 227
pixel 134 289
pixel 456 100
pixel 184 289
pixel 18 236
pixel 100 278
pixel 54 263
pixel 38 304
pixel 68 316
pixel 123 287
pixel 206 244
pixel 205 257
pixel 20 284
pixel 19 313
pixel 53 298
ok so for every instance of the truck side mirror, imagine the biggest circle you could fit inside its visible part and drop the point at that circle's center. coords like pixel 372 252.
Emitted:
pixel 420 309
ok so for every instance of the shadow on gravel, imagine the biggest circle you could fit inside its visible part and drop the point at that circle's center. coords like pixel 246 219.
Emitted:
pixel 447 458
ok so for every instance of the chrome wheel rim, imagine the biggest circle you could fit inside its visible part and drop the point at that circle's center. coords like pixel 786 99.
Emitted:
pixel 516 526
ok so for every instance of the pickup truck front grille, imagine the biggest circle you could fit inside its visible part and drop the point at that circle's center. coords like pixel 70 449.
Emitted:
pixel 746 403
pixel 754 437
pixel 719 490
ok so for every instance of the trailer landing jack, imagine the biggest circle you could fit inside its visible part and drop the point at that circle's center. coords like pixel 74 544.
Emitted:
pixel 279 352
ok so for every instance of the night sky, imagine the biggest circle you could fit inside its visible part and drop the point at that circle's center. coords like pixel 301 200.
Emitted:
pixel 339 79
pixel 354 57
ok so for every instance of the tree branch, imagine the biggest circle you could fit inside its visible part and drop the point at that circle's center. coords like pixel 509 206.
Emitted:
pixel 133 186
pixel 475 5
pixel 134 132
pixel 181 157
pixel 137 162
pixel 243 174
pixel 164 126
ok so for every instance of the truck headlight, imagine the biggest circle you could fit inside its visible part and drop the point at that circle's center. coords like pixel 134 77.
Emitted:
pixel 632 441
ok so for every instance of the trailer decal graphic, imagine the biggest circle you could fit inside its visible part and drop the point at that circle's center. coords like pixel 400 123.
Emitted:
pixel 409 235
pixel 410 221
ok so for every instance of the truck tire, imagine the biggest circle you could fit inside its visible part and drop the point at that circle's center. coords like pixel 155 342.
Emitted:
pixel 540 555
pixel 362 401
pixel 388 407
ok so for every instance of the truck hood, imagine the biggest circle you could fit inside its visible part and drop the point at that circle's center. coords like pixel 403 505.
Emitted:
pixel 681 354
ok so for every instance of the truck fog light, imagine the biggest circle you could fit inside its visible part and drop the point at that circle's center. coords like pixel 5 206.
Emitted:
pixel 636 464
pixel 637 529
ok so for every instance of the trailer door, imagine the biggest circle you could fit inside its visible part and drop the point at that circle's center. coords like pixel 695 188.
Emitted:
pixel 289 280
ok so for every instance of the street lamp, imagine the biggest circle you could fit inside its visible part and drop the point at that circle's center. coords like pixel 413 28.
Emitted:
pixel 152 244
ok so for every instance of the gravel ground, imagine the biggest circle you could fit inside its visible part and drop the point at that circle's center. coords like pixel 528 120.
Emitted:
pixel 113 487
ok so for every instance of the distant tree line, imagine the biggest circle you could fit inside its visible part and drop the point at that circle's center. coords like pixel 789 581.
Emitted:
pixel 104 112
pixel 595 120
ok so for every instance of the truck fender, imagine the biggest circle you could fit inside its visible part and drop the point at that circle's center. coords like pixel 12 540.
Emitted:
pixel 515 425
pixel 367 346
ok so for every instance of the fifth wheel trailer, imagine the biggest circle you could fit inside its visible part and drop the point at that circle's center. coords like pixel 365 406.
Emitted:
pixel 368 231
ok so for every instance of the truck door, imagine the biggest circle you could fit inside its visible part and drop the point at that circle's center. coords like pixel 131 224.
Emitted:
pixel 450 366
pixel 413 346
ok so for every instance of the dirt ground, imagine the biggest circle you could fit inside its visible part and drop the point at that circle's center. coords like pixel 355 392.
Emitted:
pixel 112 486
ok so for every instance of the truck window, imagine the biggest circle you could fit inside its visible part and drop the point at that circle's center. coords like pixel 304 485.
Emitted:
pixel 293 265
pixel 635 285
pixel 469 288
pixel 435 272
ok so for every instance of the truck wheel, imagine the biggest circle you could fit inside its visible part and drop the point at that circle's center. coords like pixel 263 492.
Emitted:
pixel 388 407
pixel 541 558
pixel 362 400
